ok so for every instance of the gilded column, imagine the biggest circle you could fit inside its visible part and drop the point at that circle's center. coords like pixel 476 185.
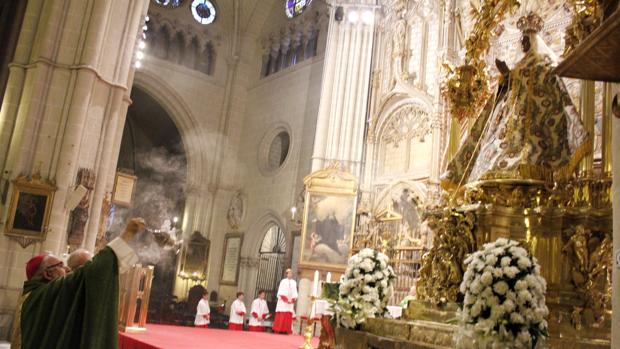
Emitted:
pixel 607 127
pixel 615 298
pixel 587 111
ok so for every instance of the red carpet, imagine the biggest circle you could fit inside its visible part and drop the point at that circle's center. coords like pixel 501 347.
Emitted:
pixel 172 337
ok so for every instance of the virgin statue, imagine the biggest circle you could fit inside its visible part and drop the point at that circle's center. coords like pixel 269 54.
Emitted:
pixel 530 129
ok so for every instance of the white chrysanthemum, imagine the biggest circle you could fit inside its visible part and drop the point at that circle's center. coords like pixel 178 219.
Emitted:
pixel 522 305
pixel 486 278
pixel 516 318
pixel 511 272
pixel 501 287
pixel 521 285
pixel 490 259
pixel 509 305
pixel 524 262
pixel 475 286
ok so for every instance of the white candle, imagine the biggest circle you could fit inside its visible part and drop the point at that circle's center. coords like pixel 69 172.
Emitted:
pixel 328 278
pixel 293 211
pixel 315 284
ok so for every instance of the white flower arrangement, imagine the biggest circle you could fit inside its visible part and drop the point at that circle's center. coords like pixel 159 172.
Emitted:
pixel 504 299
pixel 365 288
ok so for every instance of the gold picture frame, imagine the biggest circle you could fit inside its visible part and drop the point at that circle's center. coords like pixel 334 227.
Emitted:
pixel 328 222
pixel 124 185
pixel 195 258
pixel 231 258
pixel 29 210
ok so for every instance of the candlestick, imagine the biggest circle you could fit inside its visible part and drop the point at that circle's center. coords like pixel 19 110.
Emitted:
pixel 315 283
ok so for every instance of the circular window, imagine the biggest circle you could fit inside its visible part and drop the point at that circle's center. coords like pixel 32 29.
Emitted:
pixel 274 150
pixel 203 11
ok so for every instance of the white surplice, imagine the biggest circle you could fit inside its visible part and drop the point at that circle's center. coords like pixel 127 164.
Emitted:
pixel 288 289
pixel 236 308
pixel 201 310
pixel 259 307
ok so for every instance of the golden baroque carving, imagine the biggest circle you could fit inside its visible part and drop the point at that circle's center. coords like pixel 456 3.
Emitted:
pixel 587 17
pixel 467 86
pixel 589 254
pixel 442 267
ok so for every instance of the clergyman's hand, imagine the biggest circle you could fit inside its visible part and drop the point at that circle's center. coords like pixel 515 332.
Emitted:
pixel 134 226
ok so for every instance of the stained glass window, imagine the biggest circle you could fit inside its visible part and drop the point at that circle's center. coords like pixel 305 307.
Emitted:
pixel 295 7
pixel 168 3
pixel 203 11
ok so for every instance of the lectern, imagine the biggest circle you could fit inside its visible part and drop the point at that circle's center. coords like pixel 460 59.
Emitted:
pixel 135 290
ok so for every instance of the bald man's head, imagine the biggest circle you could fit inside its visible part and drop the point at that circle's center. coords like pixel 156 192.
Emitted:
pixel 78 257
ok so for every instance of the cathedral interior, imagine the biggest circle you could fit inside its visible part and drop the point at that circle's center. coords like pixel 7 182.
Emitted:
pixel 240 130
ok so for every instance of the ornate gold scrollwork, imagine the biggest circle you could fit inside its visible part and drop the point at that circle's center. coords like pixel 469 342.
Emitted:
pixel 442 267
pixel 589 254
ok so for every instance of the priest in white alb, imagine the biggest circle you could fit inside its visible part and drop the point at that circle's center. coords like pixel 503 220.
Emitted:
pixel 258 313
pixel 285 309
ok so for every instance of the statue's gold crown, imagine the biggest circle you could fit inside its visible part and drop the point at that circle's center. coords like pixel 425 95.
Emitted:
pixel 530 23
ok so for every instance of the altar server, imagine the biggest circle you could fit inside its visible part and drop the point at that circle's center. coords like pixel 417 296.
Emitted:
pixel 237 312
pixel 285 309
pixel 259 312
pixel 203 312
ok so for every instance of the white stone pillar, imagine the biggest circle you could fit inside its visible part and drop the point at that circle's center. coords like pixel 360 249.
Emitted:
pixel 68 78
pixel 345 86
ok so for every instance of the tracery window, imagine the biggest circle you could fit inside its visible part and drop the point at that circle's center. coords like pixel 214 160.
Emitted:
pixel 271 263
pixel 295 7
pixel 203 11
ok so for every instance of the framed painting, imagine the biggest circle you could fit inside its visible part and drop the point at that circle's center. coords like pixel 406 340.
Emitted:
pixel 229 274
pixel 124 185
pixel 29 210
pixel 195 258
pixel 329 219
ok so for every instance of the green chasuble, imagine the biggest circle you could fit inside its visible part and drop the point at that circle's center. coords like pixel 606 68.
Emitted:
pixel 78 310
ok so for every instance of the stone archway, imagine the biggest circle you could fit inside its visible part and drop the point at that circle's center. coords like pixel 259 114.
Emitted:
pixel 194 140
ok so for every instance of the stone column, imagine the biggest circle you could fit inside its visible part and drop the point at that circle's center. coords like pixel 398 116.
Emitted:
pixel 344 92
pixel 64 99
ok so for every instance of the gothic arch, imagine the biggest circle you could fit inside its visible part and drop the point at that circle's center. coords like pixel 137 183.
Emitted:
pixel 384 197
pixel 392 105
pixel 258 229
pixel 192 133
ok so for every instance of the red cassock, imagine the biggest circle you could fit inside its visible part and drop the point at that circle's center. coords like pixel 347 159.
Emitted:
pixel 259 312
pixel 237 313
pixel 285 309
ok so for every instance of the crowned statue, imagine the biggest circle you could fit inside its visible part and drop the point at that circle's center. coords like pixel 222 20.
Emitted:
pixel 530 129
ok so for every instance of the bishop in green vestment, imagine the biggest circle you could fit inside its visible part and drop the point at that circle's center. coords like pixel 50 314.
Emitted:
pixel 80 309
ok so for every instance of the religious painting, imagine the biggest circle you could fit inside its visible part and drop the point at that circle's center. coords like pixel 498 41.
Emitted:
pixel 230 260
pixel 329 219
pixel 195 258
pixel 124 185
pixel 29 210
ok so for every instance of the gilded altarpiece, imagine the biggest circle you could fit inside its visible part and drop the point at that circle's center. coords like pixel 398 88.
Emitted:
pixel 565 224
